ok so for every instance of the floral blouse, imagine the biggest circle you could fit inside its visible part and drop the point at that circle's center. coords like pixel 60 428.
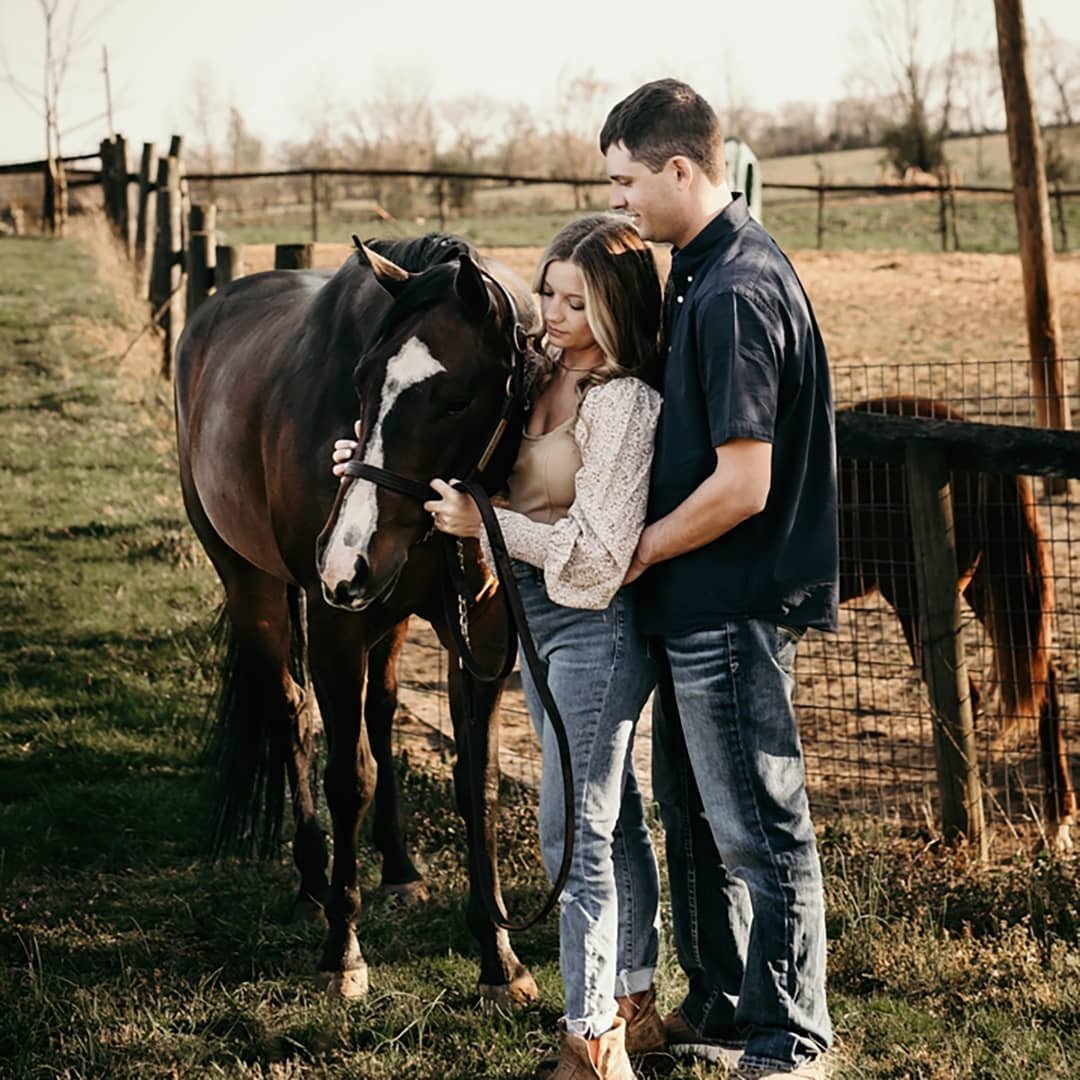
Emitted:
pixel 586 554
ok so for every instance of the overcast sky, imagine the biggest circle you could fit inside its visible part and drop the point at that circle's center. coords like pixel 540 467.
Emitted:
pixel 278 60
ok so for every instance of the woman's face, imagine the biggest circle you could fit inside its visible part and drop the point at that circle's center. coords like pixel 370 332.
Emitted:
pixel 562 305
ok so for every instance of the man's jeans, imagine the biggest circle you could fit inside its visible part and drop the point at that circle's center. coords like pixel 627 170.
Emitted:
pixel 746 890
pixel 600 676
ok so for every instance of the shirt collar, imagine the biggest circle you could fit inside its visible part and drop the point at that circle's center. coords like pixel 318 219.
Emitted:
pixel 718 233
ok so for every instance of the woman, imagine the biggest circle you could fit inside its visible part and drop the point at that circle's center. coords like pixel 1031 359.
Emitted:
pixel 576 506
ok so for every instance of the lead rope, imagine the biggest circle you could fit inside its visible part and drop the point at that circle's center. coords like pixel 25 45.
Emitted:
pixel 538 670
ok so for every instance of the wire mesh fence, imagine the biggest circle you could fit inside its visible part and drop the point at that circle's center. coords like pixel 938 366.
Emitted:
pixel 865 717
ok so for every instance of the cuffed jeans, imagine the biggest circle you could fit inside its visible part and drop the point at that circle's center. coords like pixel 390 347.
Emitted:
pixel 600 677
pixel 746 891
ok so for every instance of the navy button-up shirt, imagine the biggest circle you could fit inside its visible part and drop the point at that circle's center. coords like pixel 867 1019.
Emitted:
pixel 745 360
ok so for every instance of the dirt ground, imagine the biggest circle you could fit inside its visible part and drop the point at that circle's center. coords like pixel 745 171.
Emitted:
pixel 948 324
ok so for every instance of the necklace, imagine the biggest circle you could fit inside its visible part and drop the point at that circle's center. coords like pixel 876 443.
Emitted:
pixel 566 367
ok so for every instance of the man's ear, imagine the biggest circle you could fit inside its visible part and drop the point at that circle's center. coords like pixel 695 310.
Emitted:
pixel 472 290
pixel 387 273
pixel 683 169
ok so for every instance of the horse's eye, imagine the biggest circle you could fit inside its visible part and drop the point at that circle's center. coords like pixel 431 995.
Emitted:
pixel 457 406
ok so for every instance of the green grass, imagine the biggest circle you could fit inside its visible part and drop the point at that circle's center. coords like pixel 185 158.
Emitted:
pixel 125 952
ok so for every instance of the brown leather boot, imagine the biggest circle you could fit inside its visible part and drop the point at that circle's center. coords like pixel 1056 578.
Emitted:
pixel 611 1063
pixel 644 1028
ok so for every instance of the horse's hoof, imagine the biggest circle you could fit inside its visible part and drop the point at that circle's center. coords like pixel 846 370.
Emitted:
pixel 308 910
pixel 344 984
pixel 408 893
pixel 1061 842
pixel 516 994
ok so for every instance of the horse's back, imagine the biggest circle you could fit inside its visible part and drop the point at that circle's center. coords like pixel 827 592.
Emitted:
pixel 238 356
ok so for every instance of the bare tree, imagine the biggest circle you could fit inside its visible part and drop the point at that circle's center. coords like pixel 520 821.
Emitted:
pixel 581 103
pixel 911 55
pixel 66 30
pixel 1056 70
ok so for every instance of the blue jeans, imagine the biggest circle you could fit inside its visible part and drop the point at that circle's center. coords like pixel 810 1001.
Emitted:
pixel 746 891
pixel 600 677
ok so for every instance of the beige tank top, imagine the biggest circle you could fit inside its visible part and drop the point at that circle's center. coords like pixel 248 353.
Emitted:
pixel 541 484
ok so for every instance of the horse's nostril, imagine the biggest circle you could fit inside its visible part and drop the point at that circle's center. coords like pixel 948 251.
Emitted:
pixel 361 573
pixel 345 592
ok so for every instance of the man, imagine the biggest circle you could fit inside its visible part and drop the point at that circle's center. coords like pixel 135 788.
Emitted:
pixel 738 559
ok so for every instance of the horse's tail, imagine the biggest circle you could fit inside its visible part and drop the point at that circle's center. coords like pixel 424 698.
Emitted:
pixel 1014 578
pixel 248 746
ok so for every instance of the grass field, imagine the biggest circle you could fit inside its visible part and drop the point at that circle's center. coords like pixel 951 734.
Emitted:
pixel 125 952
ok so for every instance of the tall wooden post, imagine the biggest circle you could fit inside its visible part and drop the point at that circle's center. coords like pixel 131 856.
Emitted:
pixel 202 255
pixel 172 254
pixel 146 218
pixel 314 207
pixel 1032 223
pixel 125 208
pixel 229 265
pixel 294 256
pixel 942 647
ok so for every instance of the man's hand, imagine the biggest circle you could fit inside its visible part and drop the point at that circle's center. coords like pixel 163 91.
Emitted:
pixel 638 566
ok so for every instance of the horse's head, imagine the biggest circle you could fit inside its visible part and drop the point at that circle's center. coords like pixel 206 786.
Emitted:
pixel 440 373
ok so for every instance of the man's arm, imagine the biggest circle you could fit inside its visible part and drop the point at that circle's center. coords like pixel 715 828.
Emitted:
pixel 736 490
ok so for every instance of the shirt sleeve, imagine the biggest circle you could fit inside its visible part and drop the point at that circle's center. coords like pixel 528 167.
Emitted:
pixel 585 555
pixel 739 362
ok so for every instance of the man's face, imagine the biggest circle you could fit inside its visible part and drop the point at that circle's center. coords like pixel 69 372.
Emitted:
pixel 649 198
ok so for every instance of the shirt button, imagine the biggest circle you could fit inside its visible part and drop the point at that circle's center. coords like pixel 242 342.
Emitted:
pixel 689 277
pixel 679 298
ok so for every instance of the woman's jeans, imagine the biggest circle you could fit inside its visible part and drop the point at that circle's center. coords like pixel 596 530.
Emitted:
pixel 746 891
pixel 600 678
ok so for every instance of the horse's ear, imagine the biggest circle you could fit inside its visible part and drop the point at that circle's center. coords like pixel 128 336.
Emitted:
pixel 388 274
pixel 472 290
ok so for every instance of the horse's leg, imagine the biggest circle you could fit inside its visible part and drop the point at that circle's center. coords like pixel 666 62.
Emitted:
pixel 338 658
pixel 266 716
pixel 309 843
pixel 1060 797
pixel 399 876
pixel 503 977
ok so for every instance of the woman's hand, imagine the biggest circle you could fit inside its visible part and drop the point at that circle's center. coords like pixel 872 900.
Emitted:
pixel 454 512
pixel 343 451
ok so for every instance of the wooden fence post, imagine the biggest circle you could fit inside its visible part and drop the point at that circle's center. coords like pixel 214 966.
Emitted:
pixel 821 213
pixel 228 265
pixel 146 218
pixel 126 206
pixel 941 643
pixel 294 256
pixel 943 213
pixel 1059 205
pixel 314 206
pixel 951 192
pixel 202 255
pixel 172 253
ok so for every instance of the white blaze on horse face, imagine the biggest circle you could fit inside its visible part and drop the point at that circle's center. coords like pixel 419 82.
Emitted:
pixel 358 518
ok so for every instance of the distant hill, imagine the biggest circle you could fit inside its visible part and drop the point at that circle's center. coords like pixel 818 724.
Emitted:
pixel 980 160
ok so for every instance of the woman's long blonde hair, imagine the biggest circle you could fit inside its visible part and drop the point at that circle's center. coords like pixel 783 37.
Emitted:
pixel 622 297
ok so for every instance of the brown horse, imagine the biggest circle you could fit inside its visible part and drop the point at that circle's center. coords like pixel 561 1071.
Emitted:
pixel 1005 577
pixel 424 340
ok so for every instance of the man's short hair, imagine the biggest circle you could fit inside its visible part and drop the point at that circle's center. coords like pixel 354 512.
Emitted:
pixel 663 118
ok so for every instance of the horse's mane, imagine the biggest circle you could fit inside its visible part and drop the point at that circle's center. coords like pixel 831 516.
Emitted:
pixel 433 259
pixel 417 255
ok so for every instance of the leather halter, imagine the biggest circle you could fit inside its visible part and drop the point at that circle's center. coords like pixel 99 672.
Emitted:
pixel 513 399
